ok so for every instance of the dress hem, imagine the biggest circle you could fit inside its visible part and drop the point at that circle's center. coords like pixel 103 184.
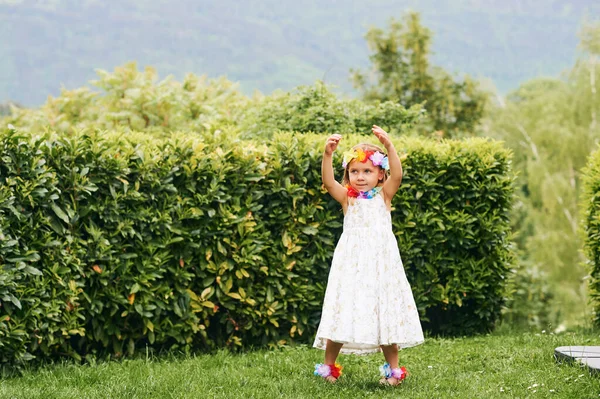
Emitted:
pixel 320 343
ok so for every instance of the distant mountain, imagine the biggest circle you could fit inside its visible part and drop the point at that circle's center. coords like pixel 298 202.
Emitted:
pixel 271 44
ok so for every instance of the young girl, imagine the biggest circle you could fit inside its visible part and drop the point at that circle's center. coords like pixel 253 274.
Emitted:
pixel 368 303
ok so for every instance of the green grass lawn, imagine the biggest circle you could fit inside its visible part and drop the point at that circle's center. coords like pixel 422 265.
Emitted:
pixel 493 366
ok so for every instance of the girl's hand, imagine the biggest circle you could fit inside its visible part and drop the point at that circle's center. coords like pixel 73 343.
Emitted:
pixel 332 143
pixel 382 136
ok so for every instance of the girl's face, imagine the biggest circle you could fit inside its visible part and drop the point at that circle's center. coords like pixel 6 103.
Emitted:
pixel 364 176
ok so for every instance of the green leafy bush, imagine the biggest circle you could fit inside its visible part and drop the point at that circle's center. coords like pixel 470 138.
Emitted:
pixel 530 299
pixel 111 242
pixel 317 109
pixel 591 226
pixel 137 101
pixel 452 223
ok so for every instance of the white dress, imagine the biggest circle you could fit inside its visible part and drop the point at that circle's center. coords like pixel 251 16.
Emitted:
pixel 368 301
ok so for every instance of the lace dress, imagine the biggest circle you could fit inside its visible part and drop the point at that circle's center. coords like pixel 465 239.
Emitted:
pixel 368 301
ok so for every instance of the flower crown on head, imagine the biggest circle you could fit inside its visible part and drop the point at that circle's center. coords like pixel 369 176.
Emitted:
pixel 360 155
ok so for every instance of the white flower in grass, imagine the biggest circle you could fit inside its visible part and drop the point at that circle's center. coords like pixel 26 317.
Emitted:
pixel 11 127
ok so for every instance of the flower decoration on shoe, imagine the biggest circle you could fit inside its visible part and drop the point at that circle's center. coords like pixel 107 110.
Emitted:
pixel 376 157
pixel 388 372
pixel 354 193
pixel 328 370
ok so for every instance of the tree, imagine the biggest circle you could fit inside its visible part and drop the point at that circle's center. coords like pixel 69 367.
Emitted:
pixel 6 108
pixel 137 101
pixel 402 72
pixel 551 125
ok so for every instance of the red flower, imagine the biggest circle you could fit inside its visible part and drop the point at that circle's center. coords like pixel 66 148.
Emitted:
pixel 368 155
pixel 352 192
pixel 335 370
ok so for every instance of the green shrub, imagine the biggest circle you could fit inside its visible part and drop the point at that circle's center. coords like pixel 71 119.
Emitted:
pixel 137 101
pixel 530 300
pixel 109 243
pixel 317 109
pixel 452 223
pixel 591 227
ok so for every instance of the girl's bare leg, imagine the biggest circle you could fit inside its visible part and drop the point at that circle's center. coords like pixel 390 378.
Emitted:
pixel 332 350
pixel 390 352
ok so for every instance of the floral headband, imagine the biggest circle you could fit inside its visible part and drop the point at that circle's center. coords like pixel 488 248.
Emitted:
pixel 376 157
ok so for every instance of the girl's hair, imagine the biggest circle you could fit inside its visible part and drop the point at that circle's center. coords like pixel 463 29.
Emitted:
pixel 364 147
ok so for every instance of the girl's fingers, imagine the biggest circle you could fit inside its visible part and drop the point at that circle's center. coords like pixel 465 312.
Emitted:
pixel 377 129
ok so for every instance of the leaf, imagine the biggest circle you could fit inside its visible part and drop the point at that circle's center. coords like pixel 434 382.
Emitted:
pixel 205 294
pixel 309 230
pixel 33 270
pixel 59 212
pixel 208 304
pixel 139 308
pixel 15 301
pixel 228 285
pixel 285 239
pixel 151 337
pixel 192 295
pixel 149 325
pixel 134 288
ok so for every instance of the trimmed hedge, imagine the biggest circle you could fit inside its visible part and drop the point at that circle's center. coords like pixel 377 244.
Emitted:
pixel 110 243
pixel 591 226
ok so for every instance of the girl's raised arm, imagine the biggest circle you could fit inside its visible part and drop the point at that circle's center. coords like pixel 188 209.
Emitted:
pixel 335 189
pixel 392 184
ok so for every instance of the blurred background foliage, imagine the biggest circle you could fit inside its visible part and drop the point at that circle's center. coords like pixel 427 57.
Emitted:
pixel 271 44
pixel 550 124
